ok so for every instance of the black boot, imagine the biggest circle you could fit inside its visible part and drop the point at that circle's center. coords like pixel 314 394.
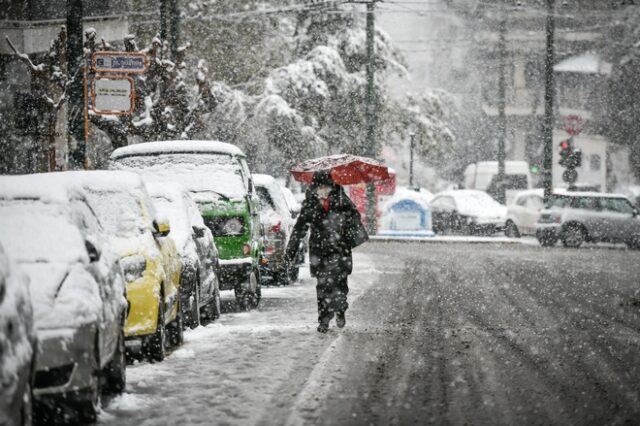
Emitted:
pixel 341 321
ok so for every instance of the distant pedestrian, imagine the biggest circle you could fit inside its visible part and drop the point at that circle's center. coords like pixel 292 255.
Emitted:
pixel 336 229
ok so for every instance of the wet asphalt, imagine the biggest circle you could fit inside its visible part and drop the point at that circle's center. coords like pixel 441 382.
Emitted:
pixel 488 334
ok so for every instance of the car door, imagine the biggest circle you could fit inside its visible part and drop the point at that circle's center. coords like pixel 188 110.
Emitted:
pixel 203 242
pixel 622 220
pixel 531 213
pixel 588 212
pixel 107 275
pixel 516 211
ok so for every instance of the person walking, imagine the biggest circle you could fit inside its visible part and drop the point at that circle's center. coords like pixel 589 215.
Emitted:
pixel 336 229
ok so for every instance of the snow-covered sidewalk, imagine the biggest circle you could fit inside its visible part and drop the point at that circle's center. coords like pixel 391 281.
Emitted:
pixel 245 368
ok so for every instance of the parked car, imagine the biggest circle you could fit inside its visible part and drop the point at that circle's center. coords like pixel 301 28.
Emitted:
pixel 77 290
pixel 467 211
pixel 18 345
pixel 199 255
pixel 277 220
pixel 293 204
pixel 218 178
pixel 576 217
pixel 148 257
pixel 523 214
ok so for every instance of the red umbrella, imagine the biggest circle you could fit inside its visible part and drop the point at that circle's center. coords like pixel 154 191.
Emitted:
pixel 345 169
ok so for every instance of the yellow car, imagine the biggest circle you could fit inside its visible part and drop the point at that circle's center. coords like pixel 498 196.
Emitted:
pixel 148 257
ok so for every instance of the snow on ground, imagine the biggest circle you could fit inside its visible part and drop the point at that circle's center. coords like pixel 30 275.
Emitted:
pixel 237 369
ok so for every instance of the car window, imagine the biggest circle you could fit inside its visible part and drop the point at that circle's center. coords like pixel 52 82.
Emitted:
pixel 266 203
pixel 558 202
pixel 534 202
pixel 617 205
pixel 85 217
pixel 585 203
pixel 444 203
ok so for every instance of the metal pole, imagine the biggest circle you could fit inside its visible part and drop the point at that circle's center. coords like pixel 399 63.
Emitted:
pixel 174 28
pixel 370 148
pixel 411 136
pixel 163 20
pixel 76 140
pixel 502 118
pixel 548 104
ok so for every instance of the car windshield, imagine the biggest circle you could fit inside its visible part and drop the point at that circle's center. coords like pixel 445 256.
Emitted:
pixel 476 202
pixel 120 212
pixel 178 218
pixel 39 232
pixel 220 174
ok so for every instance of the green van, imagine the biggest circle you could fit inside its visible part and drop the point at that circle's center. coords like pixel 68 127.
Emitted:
pixel 218 178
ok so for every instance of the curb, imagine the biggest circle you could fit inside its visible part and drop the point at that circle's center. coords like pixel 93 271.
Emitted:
pixel 446 240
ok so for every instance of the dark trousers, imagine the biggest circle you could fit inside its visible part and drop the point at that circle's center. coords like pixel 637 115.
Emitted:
pixel 332 290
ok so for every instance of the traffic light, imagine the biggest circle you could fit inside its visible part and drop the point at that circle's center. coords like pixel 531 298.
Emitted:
pixel 565 153
pixel 569 158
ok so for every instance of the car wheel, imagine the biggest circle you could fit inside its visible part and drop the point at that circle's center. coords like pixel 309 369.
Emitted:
pixel 115 372
pixel 249 299
pixel 511 230
pixel 573 236
pixel 191 312
pixel 175 329
pixel 154 346
pixel 294 274
pixel 547 240
pixel 634 242
pixel 87 411
pixel 282 277
pixel 26 411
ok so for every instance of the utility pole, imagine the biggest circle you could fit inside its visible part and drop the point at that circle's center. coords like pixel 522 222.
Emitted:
pixel 370 149
pixel 163 20
pixel 170 24
pixel 411 137
pixel 549 88
pixel 174 28
pixel 502 101
pixel 76 137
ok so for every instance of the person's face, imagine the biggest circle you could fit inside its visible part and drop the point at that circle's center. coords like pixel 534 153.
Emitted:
pixel 322 191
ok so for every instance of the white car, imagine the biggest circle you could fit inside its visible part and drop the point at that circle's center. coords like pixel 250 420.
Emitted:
pixel 17 345
pixel 277 220
pixel 523 214
pixel 467 211
pixel 77 290
pixel 197 250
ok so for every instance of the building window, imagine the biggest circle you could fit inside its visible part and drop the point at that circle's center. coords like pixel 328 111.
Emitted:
pixel 595 162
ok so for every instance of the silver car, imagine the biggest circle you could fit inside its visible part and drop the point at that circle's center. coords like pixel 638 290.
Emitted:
pixel 576 217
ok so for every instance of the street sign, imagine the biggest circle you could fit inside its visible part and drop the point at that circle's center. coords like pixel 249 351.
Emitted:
pixel 113 95
pixel 120 62
pixel 573 124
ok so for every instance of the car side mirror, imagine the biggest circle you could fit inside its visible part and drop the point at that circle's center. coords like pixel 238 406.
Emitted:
pixel 161 228
pixel 92 251
pixel 197 231
pixel 635 212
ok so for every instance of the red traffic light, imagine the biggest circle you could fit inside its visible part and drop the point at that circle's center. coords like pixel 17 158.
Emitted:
pixel 564 145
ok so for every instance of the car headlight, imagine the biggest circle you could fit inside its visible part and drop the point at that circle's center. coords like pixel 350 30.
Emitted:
pixel 133 267
pixel 232 226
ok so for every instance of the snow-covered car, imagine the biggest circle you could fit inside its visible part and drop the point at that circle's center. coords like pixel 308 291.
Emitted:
pixel 523 213
pixel 17 345
pixel 577 217
pixel 197 250
pixel 293 204
pixel 219 180
pixel 77 291
pixel 148 257
pixel 276 218
pixel 467 211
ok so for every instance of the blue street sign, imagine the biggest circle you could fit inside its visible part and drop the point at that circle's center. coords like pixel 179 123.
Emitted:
pixel 123 62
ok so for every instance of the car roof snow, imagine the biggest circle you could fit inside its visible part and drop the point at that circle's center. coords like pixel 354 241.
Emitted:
pixel 179 146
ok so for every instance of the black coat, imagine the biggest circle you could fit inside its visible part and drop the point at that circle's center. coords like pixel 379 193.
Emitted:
pixel 333 233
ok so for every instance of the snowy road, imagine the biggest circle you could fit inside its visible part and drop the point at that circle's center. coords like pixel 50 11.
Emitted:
pixel 437 334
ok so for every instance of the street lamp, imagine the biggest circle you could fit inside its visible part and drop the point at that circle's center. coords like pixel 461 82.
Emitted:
pixel 412 136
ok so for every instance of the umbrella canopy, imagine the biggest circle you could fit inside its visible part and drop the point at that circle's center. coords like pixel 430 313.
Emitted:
pixel 345 169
